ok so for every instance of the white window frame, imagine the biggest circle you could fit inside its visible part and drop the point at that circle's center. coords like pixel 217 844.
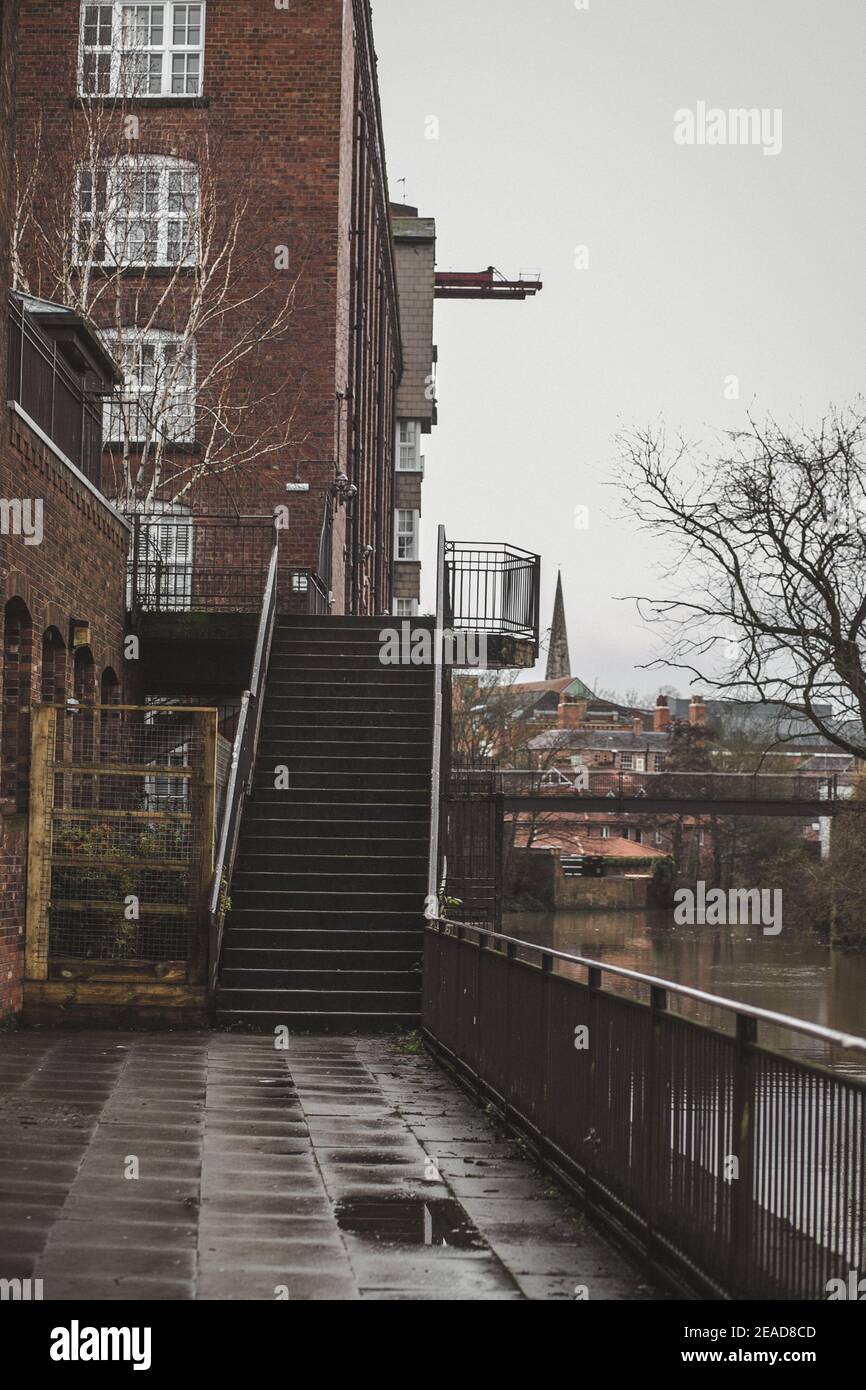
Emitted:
pixel 166 204
pixel 605 832
pixel 182 407
pixel 626 762
pixel 409 447
pixel 410 534
pixel 405 608
pixel 163 55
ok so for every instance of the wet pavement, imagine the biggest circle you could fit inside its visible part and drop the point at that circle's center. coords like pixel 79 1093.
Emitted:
pixel 215 1166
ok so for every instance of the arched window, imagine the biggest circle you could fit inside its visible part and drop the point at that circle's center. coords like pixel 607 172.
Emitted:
pixel 17 691
pixel 83 750
pixel 53 679
pixel 109 688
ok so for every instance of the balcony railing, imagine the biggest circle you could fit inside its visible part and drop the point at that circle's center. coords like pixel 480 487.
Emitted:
pixel 181 562
pixel 492 588
pixel 53 395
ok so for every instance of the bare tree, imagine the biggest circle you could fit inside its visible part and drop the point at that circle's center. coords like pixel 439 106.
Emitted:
pixel 166 249
pixel 765 563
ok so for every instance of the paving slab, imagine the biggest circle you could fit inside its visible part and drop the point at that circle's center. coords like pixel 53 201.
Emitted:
pixel 338 1169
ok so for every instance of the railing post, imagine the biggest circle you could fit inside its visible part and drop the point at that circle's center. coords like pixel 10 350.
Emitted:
pixel 742 1132
pixel 498 852
pixel 657 1103
pixel 506 1088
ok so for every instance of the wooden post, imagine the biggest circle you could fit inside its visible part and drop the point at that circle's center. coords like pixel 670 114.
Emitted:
pixel 39 842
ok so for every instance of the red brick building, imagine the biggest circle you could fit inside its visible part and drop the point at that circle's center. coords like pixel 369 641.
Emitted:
pixel 228 155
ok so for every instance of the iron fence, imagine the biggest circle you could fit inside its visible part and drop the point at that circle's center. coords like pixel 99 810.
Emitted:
pixel 623 785
pixel 53 395
pixel 738 1170
pixel 182 561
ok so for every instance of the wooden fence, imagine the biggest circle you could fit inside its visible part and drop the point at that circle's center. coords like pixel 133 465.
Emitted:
pixel 120 858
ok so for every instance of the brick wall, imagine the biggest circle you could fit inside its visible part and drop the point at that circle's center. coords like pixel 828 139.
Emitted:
pixel 77 572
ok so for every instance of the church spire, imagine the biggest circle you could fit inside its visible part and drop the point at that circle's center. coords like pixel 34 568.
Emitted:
pixel 558 659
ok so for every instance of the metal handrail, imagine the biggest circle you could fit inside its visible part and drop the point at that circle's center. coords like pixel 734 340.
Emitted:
pixel 244 753
pixel 848 1041
pixel 438 688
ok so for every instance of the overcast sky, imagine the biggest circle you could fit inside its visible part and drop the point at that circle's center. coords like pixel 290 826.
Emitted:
pixel 556 131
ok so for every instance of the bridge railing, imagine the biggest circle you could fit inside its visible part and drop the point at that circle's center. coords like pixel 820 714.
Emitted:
pixel 736 1169
pixel 625 785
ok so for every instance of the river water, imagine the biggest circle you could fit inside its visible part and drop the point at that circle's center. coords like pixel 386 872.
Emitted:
pixel 788 974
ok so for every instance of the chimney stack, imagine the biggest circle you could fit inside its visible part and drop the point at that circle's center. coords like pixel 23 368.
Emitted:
pixel 697 712
pixel 637 724
pixel 662 716
pixel 572 713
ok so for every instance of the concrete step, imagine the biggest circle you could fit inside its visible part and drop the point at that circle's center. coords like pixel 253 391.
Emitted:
pixel 318 789
pixel 322 734
pixel 262 859
pixel 347 880
pixel 314 1020
pixel 321 1000
pixel 284 899
pixel 338 980
pixel 288 958
pixel 369 815
pixel 322 757
pixel 292 839
pixel 326 702
pixel 318 931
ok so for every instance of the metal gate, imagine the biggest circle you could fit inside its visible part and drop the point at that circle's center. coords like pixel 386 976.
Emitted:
pixel 121 840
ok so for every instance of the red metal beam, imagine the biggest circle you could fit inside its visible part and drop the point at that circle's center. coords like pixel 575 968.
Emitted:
pixel 484 284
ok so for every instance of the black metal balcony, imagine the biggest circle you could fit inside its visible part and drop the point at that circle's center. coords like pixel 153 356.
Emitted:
pixel 493 589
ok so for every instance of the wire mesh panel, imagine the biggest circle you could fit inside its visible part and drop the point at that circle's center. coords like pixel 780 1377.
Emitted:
pixel 121 836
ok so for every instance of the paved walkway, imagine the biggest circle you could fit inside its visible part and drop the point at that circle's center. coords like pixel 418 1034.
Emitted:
pixel 212 1166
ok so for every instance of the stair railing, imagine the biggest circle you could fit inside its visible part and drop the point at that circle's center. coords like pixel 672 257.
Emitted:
pixel 244 753
pixel 443 616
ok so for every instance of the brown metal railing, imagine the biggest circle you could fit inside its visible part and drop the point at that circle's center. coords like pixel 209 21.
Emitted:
pixel 53 395
pixel 737 1170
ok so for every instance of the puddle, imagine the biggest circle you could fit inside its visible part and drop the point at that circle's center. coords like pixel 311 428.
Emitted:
pixel 409 1221
pixel 350 1156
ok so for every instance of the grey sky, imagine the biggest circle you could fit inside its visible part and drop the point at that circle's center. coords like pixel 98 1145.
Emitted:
pixel 557 130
